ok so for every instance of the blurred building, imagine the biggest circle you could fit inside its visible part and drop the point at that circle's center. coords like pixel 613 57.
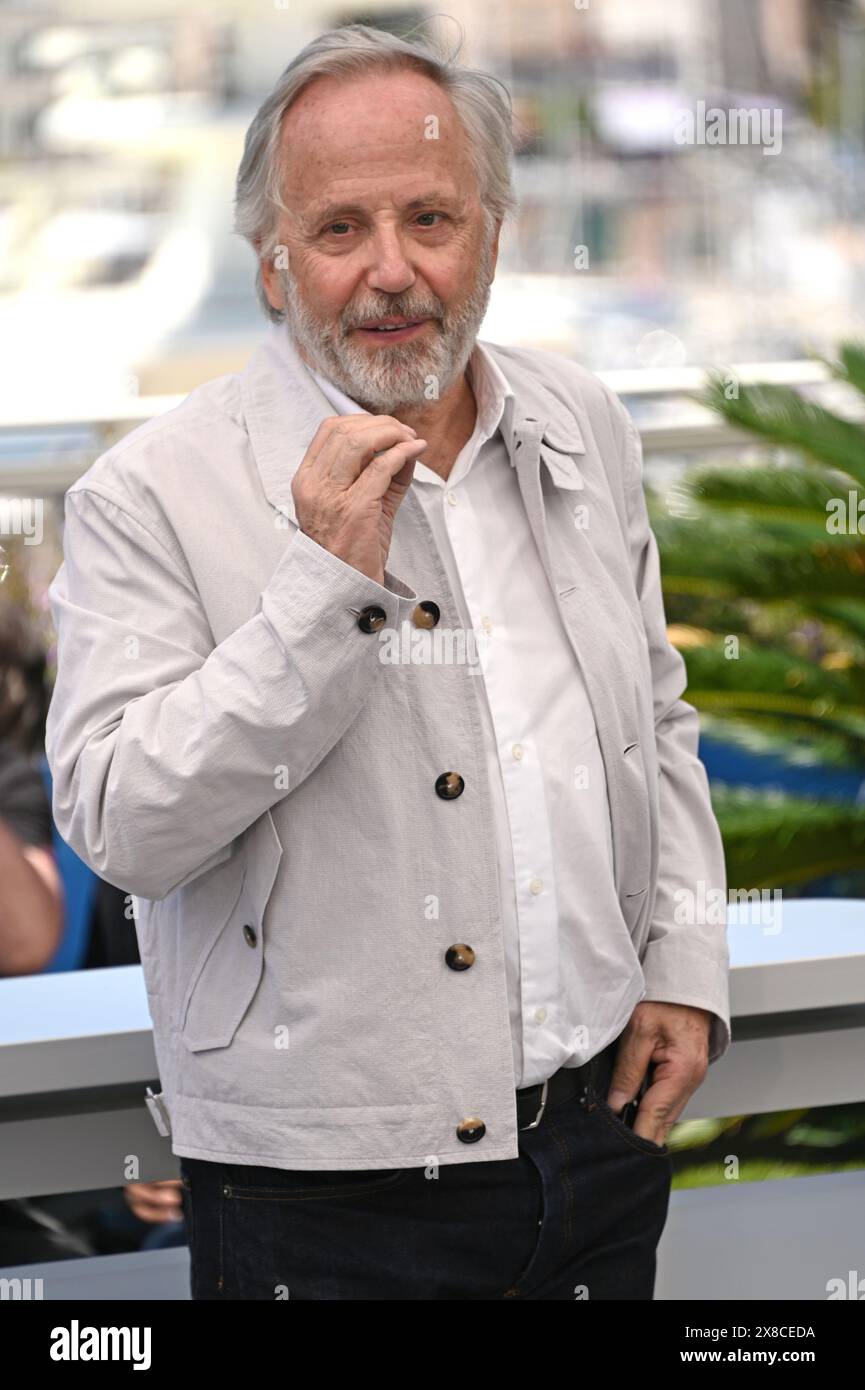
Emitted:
pixel 121 129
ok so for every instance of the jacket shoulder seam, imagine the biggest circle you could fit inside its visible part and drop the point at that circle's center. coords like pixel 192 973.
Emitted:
pixel 174 419
pixel 104 495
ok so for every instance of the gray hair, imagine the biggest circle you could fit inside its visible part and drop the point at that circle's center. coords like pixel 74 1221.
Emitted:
pixel 481 102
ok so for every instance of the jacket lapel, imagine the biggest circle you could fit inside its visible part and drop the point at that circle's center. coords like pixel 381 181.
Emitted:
pixel 592 610
pixel 283 409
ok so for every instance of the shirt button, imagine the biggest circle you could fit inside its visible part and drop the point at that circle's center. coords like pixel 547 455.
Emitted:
pixel 517 750
pixel 449 785
pixel 471 1130
pixel 452 498
pixel 371 618
pixel 540 1015
pixel 249 935
pixel 536 885
pixel 460 957
pixel 426 614
pixel 487 624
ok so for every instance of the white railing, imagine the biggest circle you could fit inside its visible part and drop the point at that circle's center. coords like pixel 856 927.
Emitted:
pixel 46 453
pixel 76 1048
pixel 76 1054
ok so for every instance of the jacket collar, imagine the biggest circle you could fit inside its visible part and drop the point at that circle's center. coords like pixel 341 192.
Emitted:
pixel 284 406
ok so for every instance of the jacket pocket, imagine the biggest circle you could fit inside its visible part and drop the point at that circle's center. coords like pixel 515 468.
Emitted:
pixel 225 975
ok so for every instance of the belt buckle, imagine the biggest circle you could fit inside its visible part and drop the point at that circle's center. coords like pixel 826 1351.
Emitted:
pixel 537 1120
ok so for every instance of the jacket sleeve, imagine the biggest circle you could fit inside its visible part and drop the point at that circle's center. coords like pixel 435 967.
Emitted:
pixel 686 959
pixel 164 747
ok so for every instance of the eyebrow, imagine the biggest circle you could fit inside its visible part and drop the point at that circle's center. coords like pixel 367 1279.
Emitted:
pixel 332 211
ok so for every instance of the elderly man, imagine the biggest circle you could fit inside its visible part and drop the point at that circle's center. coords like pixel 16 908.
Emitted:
pixel 365 695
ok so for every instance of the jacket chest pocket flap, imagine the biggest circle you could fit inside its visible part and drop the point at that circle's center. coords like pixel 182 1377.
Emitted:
pixel 225 976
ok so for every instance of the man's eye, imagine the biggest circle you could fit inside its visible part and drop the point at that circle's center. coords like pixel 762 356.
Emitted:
pixel 429 214
pixel 334 225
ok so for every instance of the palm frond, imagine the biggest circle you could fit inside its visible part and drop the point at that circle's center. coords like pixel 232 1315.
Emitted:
pixel 774 672
pixel 851 367
pixel 782 416
pixel 846 613
pixel 728 556
pixel 786 840
pixel 769 493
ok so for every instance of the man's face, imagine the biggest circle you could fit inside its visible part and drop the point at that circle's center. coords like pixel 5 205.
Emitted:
pixel 383 223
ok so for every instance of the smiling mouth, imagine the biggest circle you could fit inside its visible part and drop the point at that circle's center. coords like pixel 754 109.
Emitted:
pixel 390 328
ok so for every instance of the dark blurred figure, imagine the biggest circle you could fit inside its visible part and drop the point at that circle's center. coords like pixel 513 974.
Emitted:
pixel 31 906
pixel 31 895
pixel 32 909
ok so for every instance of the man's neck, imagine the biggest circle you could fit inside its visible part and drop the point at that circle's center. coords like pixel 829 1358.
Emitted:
pixel 446 424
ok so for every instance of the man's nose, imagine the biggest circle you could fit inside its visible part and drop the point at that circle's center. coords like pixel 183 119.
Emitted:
pixel 390 268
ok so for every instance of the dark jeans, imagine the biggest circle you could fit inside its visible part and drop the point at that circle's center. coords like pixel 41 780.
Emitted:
pixel 577 1215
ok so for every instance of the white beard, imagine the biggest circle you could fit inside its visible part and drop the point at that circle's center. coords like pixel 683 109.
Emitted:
pixel 394 375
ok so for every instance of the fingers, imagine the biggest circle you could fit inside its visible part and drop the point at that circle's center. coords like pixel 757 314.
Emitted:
pixel 663 1036
pixel 664 1100
pixel 632 1062
pixel 344 444
pixel 155 1201
pixel 659 1110
pixel 392 468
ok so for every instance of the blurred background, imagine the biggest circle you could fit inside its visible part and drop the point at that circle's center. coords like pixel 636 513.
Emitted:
pixel 718 287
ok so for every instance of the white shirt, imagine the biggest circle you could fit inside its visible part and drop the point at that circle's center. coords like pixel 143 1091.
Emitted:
pixel 561 922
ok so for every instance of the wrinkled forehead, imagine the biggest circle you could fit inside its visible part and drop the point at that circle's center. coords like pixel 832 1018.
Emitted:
pixel 369 134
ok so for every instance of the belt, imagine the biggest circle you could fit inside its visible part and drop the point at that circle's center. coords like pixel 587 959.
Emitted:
pixel 563 1085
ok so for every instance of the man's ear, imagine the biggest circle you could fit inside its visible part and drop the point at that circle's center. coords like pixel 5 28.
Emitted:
pixel 270 279
pixel 495 246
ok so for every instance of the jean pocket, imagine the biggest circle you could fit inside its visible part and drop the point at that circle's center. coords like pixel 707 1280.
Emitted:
pixel 599 1108
pixel 250 1184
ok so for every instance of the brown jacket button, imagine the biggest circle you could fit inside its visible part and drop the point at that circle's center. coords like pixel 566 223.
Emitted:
pixel 249 935
pixel 471 1130
pixel 460 957
pixel 449 785
pixel 371 618
pixel 426 614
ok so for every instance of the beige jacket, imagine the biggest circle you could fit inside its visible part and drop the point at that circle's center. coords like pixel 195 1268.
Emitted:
pixel 227 745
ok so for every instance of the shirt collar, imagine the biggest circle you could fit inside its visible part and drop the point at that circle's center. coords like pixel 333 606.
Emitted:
pixel 492 391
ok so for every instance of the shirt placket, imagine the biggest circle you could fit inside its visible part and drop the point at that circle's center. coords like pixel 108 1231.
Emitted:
pixel 523 783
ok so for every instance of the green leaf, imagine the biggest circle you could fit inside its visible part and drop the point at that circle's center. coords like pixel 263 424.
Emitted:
pixel 782 416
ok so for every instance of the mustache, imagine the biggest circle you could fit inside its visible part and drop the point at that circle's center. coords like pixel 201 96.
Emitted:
pixel 397 309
